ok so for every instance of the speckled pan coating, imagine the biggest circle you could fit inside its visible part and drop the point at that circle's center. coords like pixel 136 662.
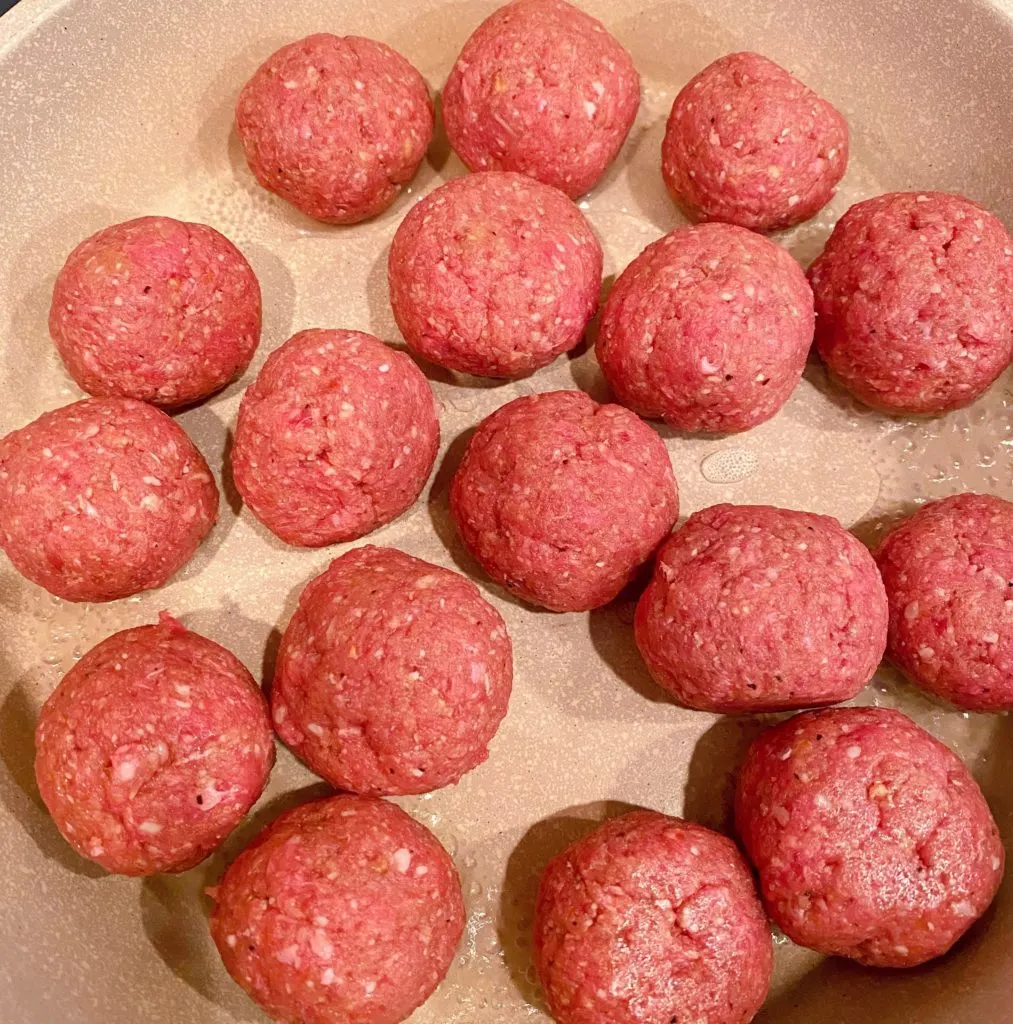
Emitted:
pixel 871 838
pixel 335 437
pixel 651 918
pixel 948 571
pixel 343 911
pixel 156 309
pixel 708 328
pixel 494 274
pixel 337 126
pixel 102 499
pixel 152 749
pixel 152 131
pixel 544 89
pixel 392 676
pixel 561 500
pixel 750 144
pixel 753 608
pixel 914 301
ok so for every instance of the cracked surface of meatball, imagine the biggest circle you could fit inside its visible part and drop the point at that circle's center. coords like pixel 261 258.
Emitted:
pixel 152 748
pixel 749 144
pixel 561 500
pixel 651 918
pixel 871 838
pixel 914 301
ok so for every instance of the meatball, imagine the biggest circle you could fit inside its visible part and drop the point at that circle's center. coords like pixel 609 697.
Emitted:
pixel 335 126
pixel 871 838
pixel 651 918
pixel 749 144
pixel 343 910
pixel 494 274
pixel 541 88
pixel 754 608
pixel 424 670
pixel 102 499
pixel 948 571
pixel 913 306
pixel 336 437
pixel 157 310
pixel 152 749
pixel 561 500
pixel 708 328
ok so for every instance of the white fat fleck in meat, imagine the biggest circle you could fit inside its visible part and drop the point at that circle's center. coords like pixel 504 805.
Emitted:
pixel 126 771
pixel 369 987
pixel 854 752
pixel 151 828
pixel 210 797
pixel 315 728
pixel 401 859
pixel 289 955
pixel 321 944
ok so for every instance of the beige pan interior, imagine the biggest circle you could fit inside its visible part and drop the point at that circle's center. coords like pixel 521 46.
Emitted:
pixel 114 108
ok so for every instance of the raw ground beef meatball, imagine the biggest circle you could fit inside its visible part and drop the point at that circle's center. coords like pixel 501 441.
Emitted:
pixel 753 608
pixel 392 676
pixel 494 274
pixel 871 838
pixel 749 144
pixel 561 500
pixel 541 88
pixel 336 437
pixel 913 301
pixel 102 499
pixel 152 749
pixel 156 309
pixel 335 126
pixel 344 910
pixel 948 571
pixel 651 918
pixel 708 328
